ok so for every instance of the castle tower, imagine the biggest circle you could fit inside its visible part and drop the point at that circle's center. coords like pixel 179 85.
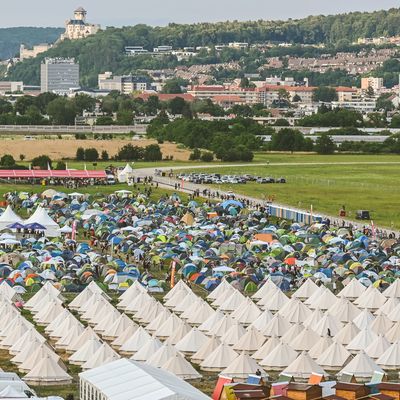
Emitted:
pixel 80 14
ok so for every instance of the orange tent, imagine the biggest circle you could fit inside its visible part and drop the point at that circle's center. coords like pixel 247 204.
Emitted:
pixel 264 237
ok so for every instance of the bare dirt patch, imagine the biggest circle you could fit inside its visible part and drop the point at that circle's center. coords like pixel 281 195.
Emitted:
pixel 58 149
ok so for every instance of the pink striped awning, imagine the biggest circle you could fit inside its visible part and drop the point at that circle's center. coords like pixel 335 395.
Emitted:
pixel 25 173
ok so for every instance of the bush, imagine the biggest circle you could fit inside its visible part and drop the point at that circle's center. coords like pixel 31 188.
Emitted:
pixel 80 154
pixel 152 152
pixel 104 155
pixel 22 157
pixel 91 154
pixel 195 155
pixel 7 160
pixel 130 153
pixel 207 156
pixel 61 165
pixel 80 136
pixel 43 162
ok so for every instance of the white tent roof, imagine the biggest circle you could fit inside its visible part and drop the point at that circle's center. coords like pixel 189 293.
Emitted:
pixel 377 347
pixel 124 336
pixel 40 216
pixel 192 342
pixel 179 334
pixel 247 313
pixel 294 331
pixel 162 355
pixel 222 326
pixel 278 326
pixel 49 372
pixel 327 324
pixel 324 300
pixel 118 327
pixel 393 290
pixel 250 342
pixel 306 290
pixel 233 334
pixel 211 321
pixel 393 334
pixel 320 346
pixel 266 348
pixel 344 310
pixel 280 357
pixel 353 289
pixel 361 366
pixel 85 352
pixel 208 347
pixel 220 358
pixel 347 333
pixel 262 321
pixel 268 288
pixel 135 342
pixel 382 323
pixel 242 366
pixel 274 302
pixel 127 379
pixel 390 304
pixel 364 319
pixel 305 340
pixel 362 340
pixel 180 367
pixel 9 217
pixel 100 357
pixel 334 357
pixel 169 326
pixel 147 350
pixel 296 312
pixel 390 359
pixel 313 318
pixel 303 366
pixel 371 299
pixel 163 315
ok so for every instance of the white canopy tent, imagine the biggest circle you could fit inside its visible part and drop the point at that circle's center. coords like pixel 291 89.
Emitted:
pixel 134 380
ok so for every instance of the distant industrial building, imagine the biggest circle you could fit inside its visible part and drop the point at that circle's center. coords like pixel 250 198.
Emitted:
pixel 78 28
pixel 125 84
pixel 25 52
pixel 59 75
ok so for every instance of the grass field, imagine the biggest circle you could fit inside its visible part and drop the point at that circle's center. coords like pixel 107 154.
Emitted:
pixel 363 185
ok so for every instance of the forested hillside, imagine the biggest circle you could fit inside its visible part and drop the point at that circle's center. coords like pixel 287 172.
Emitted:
pixel 105 51
pixel 11 38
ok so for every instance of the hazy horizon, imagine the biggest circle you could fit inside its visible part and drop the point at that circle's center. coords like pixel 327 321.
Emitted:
pixel 126 12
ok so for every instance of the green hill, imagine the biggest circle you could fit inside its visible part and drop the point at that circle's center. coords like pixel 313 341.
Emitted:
pixel 11 38
pixel 105 50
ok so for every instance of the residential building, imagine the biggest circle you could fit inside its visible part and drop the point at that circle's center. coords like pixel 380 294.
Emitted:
pixel 362 105
pixel 346 94
pixel 78 28
pixel 59 75
pixel 25 53
pixel 162 49
pixel 375 83
pixel 125 84
pixel 268 94
pixel 11 87
pixel 238 45
pixel 135 50
pixel 202 92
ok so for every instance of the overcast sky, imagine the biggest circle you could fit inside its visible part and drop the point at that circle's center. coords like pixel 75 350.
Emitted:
pixel 160 12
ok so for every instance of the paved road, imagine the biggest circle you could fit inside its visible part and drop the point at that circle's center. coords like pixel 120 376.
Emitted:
pixel 169 182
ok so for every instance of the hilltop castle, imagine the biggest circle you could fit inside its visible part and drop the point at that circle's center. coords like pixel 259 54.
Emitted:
pixel 78 28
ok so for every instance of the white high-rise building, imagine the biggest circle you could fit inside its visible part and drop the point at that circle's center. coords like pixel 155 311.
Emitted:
pixel 59 75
